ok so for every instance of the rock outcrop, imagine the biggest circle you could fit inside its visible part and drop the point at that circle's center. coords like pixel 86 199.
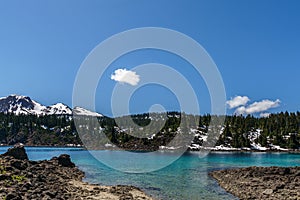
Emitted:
pixel 261 182
pixel 57 178
pixel 17 152
pixel 64 160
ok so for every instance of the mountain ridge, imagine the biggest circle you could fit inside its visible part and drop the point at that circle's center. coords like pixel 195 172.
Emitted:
pixel 24 105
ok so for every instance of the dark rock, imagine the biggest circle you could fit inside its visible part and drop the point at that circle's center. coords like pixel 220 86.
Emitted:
pixel 297 173
pixel 41 178
pixel 27 185
pixel 126 197
pixel 19 164
pixel 4 177
pixel 12 196
pixel 17 152
pixel 278 187
pixel 65 161
pixel 283 171
pixel 8 168
pixel 51 194
pixel 37 191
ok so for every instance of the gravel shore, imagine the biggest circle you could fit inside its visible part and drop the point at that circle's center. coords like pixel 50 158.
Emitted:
pixel 261 182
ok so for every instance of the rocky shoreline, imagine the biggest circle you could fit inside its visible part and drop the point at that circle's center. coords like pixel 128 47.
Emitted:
pixel 261 182
pixel 57 178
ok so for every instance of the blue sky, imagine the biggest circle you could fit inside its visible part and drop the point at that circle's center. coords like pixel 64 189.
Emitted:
pixel 255 44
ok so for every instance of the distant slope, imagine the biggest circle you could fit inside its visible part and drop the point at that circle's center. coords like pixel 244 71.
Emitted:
pixel 85 112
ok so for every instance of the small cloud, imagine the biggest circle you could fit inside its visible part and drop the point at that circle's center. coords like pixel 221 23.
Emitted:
pixel 237 101
pixel 240 110
pixel 258 107
pixel 125 76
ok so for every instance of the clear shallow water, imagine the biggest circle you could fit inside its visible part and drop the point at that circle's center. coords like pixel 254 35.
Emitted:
pixel 185 179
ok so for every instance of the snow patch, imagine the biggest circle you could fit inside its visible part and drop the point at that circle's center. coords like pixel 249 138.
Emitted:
pixel 85 112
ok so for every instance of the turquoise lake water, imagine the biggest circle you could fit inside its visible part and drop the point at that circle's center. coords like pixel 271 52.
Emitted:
pixel 186 178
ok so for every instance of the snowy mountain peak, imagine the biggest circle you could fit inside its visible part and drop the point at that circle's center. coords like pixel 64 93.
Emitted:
pixel 59 109
pixel 18 104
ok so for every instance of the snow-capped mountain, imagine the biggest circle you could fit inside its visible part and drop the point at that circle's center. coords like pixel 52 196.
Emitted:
pixel 58 109
pixel 85 112
pixel 19 104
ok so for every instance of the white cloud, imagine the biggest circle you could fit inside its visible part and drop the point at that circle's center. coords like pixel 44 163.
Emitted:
pixel 237 101
pixel 126 76
pixel 241 110
pixel 258 107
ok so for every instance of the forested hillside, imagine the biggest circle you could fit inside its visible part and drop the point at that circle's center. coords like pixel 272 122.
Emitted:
pixel 37 130
pixel 277 131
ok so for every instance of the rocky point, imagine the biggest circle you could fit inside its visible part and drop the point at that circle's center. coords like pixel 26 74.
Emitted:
pixel 57 178
pixel 261 182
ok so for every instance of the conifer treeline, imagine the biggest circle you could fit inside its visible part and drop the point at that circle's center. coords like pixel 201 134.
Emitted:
pixel 282 129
